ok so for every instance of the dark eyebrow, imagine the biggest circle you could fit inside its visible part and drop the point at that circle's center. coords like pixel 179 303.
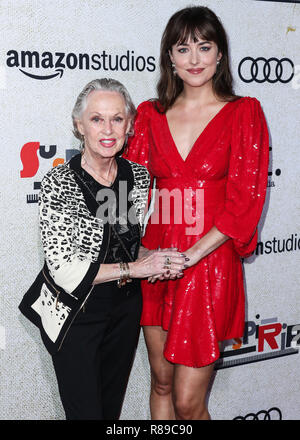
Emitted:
pixel 201 44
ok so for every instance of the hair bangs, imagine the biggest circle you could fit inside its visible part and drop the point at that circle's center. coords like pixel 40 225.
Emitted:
pixel 195 29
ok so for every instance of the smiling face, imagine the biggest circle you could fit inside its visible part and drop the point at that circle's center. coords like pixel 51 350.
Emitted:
pixel 104 123
pixel 195 61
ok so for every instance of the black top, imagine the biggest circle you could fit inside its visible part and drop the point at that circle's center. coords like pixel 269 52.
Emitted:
pixel 114 207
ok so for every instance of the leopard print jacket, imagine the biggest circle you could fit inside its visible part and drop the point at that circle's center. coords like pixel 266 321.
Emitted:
pixel 71 236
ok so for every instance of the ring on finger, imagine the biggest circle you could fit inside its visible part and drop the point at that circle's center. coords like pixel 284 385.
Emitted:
pixel 167 261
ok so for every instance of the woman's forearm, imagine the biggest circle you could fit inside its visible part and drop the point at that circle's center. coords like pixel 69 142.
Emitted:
pixel 149 263
pixel 206 244
pixel 107 272
pixel 111 272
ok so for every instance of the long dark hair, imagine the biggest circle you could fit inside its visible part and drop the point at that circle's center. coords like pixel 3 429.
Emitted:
pixel 194 22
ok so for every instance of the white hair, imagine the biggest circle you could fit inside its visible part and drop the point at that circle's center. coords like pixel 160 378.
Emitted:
pixel 105 84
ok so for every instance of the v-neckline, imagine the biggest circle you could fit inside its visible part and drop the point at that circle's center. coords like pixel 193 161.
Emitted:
pixel 200 135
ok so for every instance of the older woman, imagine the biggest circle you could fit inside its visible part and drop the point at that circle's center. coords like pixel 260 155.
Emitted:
pixel 87 300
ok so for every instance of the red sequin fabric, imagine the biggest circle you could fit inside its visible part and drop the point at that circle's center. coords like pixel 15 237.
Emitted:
pixel 222 183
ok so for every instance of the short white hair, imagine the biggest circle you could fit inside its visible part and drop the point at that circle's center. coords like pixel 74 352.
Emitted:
pixel 105 84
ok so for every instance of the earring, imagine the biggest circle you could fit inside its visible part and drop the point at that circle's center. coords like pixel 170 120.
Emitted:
pixel 174 69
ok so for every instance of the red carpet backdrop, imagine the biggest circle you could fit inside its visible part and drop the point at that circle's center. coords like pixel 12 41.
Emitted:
pixel 48 52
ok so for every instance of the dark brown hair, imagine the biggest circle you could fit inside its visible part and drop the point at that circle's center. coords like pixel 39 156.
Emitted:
pixel 194 22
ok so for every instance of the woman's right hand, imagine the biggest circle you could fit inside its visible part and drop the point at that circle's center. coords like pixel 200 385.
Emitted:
pixel 154 264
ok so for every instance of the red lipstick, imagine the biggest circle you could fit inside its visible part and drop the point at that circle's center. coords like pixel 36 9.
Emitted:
pixel 195 71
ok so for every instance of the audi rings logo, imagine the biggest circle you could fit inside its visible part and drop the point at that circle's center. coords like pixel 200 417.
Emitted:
pixel 262 70
pixel 271 414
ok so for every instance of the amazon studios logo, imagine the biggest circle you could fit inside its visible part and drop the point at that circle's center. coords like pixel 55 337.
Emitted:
pixel 29 61
pixel 278 245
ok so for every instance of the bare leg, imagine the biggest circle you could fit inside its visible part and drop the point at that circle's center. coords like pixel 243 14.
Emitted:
pixel 190 388
pixel 161 403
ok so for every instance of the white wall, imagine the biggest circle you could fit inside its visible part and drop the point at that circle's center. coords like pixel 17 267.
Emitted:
pixel 39 110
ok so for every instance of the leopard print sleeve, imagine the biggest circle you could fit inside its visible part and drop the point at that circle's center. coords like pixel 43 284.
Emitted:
pixel 142 181
pixel 70 236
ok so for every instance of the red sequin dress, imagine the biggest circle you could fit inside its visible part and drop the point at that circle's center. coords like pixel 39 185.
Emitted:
pixel 229 165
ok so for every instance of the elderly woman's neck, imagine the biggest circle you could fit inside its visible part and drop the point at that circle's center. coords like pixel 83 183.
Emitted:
pixel 103 169
pixel 97 161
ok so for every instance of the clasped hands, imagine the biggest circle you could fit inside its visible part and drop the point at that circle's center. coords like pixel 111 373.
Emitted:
pixel 163 264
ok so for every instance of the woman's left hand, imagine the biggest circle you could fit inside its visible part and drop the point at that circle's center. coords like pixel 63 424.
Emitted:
pixel 193 255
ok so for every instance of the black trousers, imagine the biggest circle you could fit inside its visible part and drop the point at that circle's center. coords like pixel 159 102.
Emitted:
pixel 93 365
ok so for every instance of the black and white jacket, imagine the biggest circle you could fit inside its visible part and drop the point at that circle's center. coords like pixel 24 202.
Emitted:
pixel 75 243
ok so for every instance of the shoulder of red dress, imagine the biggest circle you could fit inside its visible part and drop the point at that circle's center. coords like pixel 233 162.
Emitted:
pixel 148 106
pixel 145 105
pixel 247 100
pixel 247 104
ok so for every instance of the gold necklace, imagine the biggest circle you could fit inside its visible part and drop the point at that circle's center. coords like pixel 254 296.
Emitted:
pixel 97 174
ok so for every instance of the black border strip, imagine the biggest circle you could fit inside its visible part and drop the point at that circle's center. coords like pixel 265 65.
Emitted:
pixel 280 1
pixel 229 353
pixel 251 359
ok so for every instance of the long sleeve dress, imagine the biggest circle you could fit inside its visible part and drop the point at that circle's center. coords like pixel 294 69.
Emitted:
pixel 222 183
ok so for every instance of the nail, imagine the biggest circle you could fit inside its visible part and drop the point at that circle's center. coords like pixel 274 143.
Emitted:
pixel 185 265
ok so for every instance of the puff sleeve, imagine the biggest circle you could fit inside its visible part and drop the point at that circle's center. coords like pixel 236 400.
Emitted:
pixel 247 177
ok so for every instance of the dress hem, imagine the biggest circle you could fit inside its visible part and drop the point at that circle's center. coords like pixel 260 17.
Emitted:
pixel 190 364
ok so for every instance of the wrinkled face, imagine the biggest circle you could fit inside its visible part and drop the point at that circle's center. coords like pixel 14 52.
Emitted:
pixel 195 60
pixel 104 123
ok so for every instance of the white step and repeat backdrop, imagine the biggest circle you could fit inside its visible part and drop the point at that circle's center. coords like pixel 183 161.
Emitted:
pixel 48 52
